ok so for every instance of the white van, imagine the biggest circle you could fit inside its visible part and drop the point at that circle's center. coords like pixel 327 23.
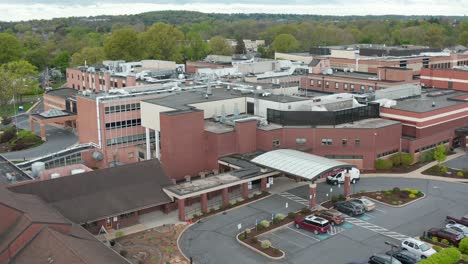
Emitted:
pixel 339 178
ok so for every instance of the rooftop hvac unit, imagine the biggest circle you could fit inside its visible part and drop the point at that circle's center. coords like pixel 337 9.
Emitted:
pixel 37 168
pixel 77 171
pixel 55 175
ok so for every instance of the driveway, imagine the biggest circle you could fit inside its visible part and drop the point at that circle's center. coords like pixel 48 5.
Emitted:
pixel 57 139
pixel 460 163
pixel 212 241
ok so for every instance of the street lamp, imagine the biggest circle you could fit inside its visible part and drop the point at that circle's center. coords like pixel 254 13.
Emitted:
pixel 392 246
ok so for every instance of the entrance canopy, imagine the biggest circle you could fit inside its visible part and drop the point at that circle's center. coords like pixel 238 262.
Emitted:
pixel 298 163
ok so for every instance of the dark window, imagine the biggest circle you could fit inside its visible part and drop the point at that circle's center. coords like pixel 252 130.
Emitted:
pixel 357 142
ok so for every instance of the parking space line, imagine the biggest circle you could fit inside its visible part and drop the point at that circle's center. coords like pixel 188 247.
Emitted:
pixel 287 240
pixel 303 234
pixel 380 210
pixel 375 228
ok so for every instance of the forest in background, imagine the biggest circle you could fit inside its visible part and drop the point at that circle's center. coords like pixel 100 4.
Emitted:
pixel 181 35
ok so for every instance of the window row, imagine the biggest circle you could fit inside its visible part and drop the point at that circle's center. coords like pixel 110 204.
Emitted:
pixel 344 141
pixel 346 86
pixel 128 139
pixel 344 156
pixel 121 108
pixel 387 153
pixel 431 146
pixel 123 124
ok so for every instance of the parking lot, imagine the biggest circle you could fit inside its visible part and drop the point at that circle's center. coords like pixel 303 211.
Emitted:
pixel 355 240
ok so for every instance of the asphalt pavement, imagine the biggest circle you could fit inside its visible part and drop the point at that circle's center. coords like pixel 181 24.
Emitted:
pixel 212 241
pixel 57 138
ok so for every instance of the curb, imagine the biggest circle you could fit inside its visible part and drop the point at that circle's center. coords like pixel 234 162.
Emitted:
pixel 260 252
pixel 178 238
pixel 405 176
pixel 398 206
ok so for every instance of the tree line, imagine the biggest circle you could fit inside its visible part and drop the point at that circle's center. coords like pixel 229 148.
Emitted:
pixel 183 35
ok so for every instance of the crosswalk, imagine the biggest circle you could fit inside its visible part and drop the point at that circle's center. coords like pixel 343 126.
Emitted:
pixel 295 198
pixel 375 228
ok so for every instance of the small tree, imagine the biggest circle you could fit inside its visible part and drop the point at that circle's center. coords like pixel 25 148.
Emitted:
pixel 240 46
pixel 463 246
pixel 440 153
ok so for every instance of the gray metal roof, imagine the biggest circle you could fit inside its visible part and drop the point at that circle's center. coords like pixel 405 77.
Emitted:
pixel 298 163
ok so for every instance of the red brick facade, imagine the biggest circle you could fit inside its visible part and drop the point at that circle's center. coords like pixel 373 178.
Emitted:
pixel 445 79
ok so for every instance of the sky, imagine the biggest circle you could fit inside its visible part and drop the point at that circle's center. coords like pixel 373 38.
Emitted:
pixel 17 10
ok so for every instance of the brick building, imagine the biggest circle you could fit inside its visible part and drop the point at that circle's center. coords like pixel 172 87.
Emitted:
pixel 456 79
pixel 357 82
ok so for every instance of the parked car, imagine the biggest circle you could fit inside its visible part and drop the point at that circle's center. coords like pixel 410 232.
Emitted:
pixel 383 259
pixel 461 221
pixel 368 204
pixel 451 235
pixel 340 177
pixel 404 256
pixel 350 208
pixel 459 228
pixel 417 247
pixel 313 223
pixel 333 216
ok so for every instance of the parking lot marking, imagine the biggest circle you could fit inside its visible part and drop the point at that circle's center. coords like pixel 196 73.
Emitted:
pixel 302 233
pixel 295 198
pixel 287 240
pixel 375 228
pixel 380 210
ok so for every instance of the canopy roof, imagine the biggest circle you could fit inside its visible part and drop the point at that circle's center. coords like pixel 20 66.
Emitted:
pixel 298 163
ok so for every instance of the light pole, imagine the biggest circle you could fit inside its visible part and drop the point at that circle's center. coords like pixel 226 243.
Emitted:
pixel 392 246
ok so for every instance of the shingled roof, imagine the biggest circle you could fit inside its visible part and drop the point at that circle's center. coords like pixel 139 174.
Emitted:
pixel 103 193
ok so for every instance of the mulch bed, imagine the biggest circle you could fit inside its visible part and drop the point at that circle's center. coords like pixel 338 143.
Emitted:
pixel 386 196
pixel 238 203
pixel 451 173
pixel 399 169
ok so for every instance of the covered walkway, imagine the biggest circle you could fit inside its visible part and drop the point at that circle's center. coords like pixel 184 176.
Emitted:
pixel 52 116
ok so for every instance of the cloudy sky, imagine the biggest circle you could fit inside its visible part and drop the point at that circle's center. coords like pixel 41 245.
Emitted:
pixel 16 10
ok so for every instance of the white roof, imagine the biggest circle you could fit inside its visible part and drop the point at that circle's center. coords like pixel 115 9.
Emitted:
pixel 298 163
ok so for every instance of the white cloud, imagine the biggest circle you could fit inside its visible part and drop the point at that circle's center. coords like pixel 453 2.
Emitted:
pixel 21 11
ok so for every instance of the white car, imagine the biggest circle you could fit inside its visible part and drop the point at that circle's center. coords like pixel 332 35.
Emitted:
pixel 417 247
pixel 459 228
pixel 368 204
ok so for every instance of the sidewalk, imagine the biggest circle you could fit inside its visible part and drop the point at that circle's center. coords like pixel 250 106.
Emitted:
pixel 416 174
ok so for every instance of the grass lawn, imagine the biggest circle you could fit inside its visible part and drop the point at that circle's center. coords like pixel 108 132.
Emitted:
pixel 10 109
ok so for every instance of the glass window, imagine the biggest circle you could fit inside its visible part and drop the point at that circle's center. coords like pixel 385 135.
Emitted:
pixel 276 143
pixel 311 82
pixel 344 141
pixel 345 87
pixel 357 142
pixel 351 87
pixel 337 85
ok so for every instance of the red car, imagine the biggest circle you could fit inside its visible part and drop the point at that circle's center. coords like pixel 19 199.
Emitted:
pixel 312 223
pixel 452 236
pixel 461 221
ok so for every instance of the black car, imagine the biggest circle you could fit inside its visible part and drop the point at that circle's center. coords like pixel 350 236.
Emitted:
pixel 383 259
pixel 349 208
pixel 404 256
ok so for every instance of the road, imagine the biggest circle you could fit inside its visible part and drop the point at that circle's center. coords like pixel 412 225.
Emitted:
pixel 212 241
pixel 57 139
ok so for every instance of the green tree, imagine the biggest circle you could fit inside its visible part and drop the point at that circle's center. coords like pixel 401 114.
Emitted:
pixel 220 46
pixel 440 153
pixel 91 56
pixel 10 48
pixel 195 48
pixel 285 43
pixel 24 77
pixel 62 60
pixel 463 38
pixel 163 42
pixel 240 46
pixel 123 44
pixel 434 36
pixel 6 88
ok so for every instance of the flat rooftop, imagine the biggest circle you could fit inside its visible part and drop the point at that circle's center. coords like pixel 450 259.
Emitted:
pixel 360 75
pixel 9 170
pixel 63 93
pixel 430 100
pixel 366 123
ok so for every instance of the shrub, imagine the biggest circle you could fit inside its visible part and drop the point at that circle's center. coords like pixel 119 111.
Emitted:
pixel 123 253
pixel 435 239
pixel 341 197
pixel 411 196
pixel 266 244
pixel 334 199
pixel 406 159
pixel 445 242
pixel 443 170
pixel 362 191
pixel 25 139
pixel 243 236
pixel 305 211
pixel 427 156
pixel 415 192
pixel 195 215
pixel 406 190
pixel 464 258
pixel 396 159
pixel 460 174
pixel 396 190
pixel 394 202
pixel 254 240
pixel 280 217
pixel 382 164
pixel 291 215
pixel 463 245
pixel 6 120
pixel 119 234
pixel 264 223
pixel 437 248
pixel 8 134
pixel 248 230
pixel 388 193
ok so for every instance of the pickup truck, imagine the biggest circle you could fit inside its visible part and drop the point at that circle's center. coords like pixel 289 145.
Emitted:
pixel 453 220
